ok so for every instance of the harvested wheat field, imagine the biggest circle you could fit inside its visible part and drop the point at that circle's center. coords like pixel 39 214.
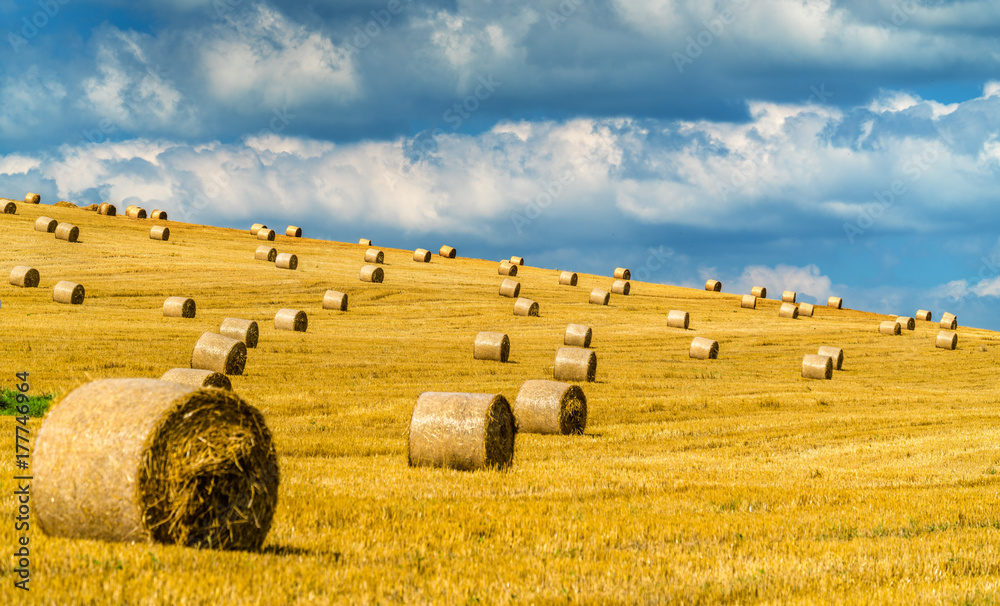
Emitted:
pixel 730 480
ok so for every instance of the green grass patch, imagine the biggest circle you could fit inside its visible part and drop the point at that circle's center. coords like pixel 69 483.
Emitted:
pixel 37 405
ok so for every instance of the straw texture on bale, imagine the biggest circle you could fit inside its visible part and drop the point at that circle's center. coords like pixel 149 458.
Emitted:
pixel 447 252
pixel 600 297
pixel 24 276
pixel 159 232
pixel 265 253
pixel 365 242
pixel 889 327
pixel 835 302
pixel 622 273
pixel 195 377
pixel 161 462
pixel 906 323
pixel 749 302
pixel 245 331
pixel 68 232
pixel 923 315
pixel 568 278
pixel 946 340
pixel 550 407
pixel 422 255
pixel 949 321
pixel 65 204
pixel 510 288
pixel 517 260
pixel 220 354
pixel 10 208
pixel 815 366
pixel 371 273
pixel 759 292
pixel 463 431
pixel 286 261
pixel 135 212
pixel 107 209
pixel 836 354
pixel 704 349
pixel 788 310
pixel 293 232
pixel 374 255
pixel 91 207
pixel 491 346
pixel 179 307
pixel 713 286
pixel 678 319
pixel 256 227
pixel 788 296
pixel 621 287
pixel 575 364
pixel 334 299
pixel 507 268
pixel 32 199
pixel 578 335
pixel 69 293
pixel 159 215
pixel 806 310
pixel 46 224
pixel 525 307
pixel 266 234
pixel 291 319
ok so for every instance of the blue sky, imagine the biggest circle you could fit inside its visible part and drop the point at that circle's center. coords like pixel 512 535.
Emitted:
pixel 842 148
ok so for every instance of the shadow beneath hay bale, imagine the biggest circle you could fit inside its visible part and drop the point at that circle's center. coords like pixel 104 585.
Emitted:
pixel 288 550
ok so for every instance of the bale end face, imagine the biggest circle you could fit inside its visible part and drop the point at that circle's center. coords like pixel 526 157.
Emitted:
pixel 575 364
pixel 286 261
pixel 578 335
pixel 550 407
pixel 461 431
pixel 759 291
pixel 713 286
pixel 946 340
pixel 510 288
pixel 493 346
pixel 24 277
pixel 447 252
pixel 815 366
pixel 621 287
pixel 525 307
pixel 293 232
pixel 599 297
pixel 704 349
pixel 889 327
pixel 749 302
pixel 568 278
pixel 291 319
pixel 835 353
pixel 622 273
pixel 179 307
pixel 678 319
pixel 835 302
pixel 336 300
pixel 371 273
pixel 68 293
pixel 10 208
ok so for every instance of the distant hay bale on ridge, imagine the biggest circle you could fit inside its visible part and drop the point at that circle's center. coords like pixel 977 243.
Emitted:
pixel 493 346
pixel 158 215
pixel 462 431
pixel 179 307
pixel 788 296
pixel 889 327
pixel 525 307
pixel 836 354
pixel 291 319
pixel 374 255
pixel 135 212
pixel 266 234
pixel 67 232
pixel 949 321
pixel 704 349
pixel 293 232
pixel 69 293
pixel 46 225
pixel 365 242
pixel 107 209
pixel 835 302
pixel 334 299
pixel 31 198
pixel 422 255
pixel 815 366
pixel 788 310
pixel 24 277
pixel 749 302
pixel 265 253
pixel 448 252
pixel 196 377
pixel 759 291
pixel 923 315
pixel 159 232
pixel 568 278
pixel 506 268
pixel 600 297
pixel 946 340
pixel 372 273
pixel 517 260
pixel 256 227
pixel 286 261
pixel 550 407
pixel 906 323
pixel 806 310
pixel 244 331
pixel 510 288
pixel 621 287
pixel 713 286
pixel 575 364
pixel 622 273
pixel 678 319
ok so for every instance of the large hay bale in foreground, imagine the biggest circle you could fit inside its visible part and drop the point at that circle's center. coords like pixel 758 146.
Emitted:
pixel 836 354
pixel 422 255
pixel 749 302
pixel 9 208
pixel 948 321
pixel 704 349
pixel 550 407
pixel 788 310
pixel 334 299
pixel 220 354
pixel 815 366
pixel 889 327
pixel 256 227
pixel 568 278
pixel 293 232
pixel 447 252
pixel 578 335
pixel 179 307
pixel 923 315
pixel 506 268
pixel 517 260
pixel 621 287
pixel 135 212
pixel 835 302
pixel 266 234
pixel 788 296
pixel 374 255
pixel 286 261
pixel 759 291
pixel 575 364
pixel 906 323
pixel 713 286
pixel 463 431
pixel 46 225
pixel 158 232
pixel 67 232
pixel 107 209
pixel 195 377
pixel 491 346
pixel 525 307
pixel 31 198
pixel 623 273
pixel 678 319
pixel 291 319
pixel 245 331
pixel 147 460
pixel 510 288
pixel 600 297
pixel 265 253
pixel 371 273
pixel 946 340
pixel 69 293
pixel 25 277
pixel 806 310
pixel 365 242
pixel 158 215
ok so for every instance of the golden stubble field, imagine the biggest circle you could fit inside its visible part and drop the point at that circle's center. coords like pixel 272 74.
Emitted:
pixel 698 482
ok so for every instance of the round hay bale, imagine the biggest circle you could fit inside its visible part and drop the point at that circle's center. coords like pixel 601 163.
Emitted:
pixel 507 268
pixel 46 225
pixel 575 364
pixel 10 208
pixel 510 288
pixel 759 291
pixel 65 204
pixel 159 232
pixel 135 212
pixel 806 310
pixel 817 367
pixel 788 310
pixel 286 261
pixel 949 321
pixel 256 227
pixel 158 215
pixel 293 232
pixel 678 319
pixel 244 331
pixel 69 293
pixel 923 315
pixel 24 276
pixel 578 335
pixel 621 287
pixel 365 242
pixel 704 349
pixel 946 340
pixel 68 232
pixel 291 319
pixel 220 354
pixel 422 255
pixel 107 209
pixel 550 407
pixel 447 252
pixel 906 323
pixel 835 353
pixel 600 297
pixel 889 327
pixel 517 260
pixel 788 296
pixel 334 299
pixel 525 307
pixel 491 346
pixel 835 302
pixel 568 278
pixel 374 255
pixel 371 273
pixel 749 302
pixel 91 207
pixel 713 286
pixel 30 198
pixel 463 431
pixel 265 253
pixel 266 234
pixel 622 273
pixel 160 462
pixel 178 307
pixel 195 377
